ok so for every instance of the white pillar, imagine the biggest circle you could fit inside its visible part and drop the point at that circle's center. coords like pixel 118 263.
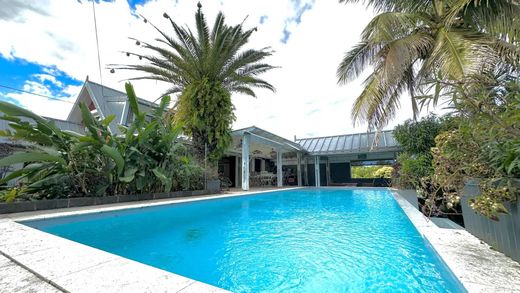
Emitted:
pixel 299 168
pixel 245 161
pixel 317 170
pixel 279 178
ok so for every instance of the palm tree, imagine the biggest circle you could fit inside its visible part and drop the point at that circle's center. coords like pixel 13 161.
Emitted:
pixel 204 69
pixel 420 46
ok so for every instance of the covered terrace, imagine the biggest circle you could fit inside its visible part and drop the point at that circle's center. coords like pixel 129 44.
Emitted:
pixel 257 157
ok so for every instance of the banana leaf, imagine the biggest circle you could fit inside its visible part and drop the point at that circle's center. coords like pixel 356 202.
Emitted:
pixel 30 157
pixel 116 156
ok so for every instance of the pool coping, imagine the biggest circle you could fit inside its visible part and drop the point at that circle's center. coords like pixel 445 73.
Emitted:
pixel 475 264
pixel 74 267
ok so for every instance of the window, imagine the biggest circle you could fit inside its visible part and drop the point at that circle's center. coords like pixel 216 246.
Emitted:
pixel 371 169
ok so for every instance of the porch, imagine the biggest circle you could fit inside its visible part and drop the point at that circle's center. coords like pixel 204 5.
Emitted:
pixel 259 158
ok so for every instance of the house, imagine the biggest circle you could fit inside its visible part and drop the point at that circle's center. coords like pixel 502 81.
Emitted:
pixel 258 157
pixel 103 101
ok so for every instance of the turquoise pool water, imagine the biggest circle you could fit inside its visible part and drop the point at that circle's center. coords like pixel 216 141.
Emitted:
pixel 308 240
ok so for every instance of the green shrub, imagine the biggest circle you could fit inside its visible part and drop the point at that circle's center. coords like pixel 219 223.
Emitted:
pixel 485 146
pixel 410 169
pixel 417 137
pixel 384 172
pixel 146 158
pixel 370 172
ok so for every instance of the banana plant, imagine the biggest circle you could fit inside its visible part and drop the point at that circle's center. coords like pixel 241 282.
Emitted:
pixel 56 163
pixel 148 148
pixel 145 158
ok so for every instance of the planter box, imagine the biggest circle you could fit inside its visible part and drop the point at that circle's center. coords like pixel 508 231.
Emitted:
pixel 213 185
pixel 410 195
pixel 49 204
pixel 502 235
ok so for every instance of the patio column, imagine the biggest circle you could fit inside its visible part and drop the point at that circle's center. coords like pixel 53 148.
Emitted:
pixel 246 138
pixel 306 171
pixel 279 174
pixel 317 170
pixel 299 168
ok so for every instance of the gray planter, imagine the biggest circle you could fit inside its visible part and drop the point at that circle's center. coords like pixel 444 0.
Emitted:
pixel 213 185
pixel 48 204
pixel 410 195
pixel 502 235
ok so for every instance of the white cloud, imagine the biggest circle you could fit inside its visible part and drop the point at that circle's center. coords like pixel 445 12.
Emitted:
pixel 48 77
pixel 44 106
pixel 307 102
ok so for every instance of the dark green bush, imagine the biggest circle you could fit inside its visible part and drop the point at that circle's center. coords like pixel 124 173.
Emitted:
pixel 418 137
pixel 146 158
pixel 410 169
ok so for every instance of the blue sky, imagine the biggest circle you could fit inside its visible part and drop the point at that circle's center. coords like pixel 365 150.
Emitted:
pixel 49 47
pixel 16 72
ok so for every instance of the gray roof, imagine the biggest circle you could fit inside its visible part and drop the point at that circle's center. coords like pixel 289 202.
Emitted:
pixel 61 124
pixel 111 102
pixel 112 95
pixel 350 143
pixel 268 137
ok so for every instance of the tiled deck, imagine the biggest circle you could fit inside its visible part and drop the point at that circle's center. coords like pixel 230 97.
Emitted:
pixel 14 278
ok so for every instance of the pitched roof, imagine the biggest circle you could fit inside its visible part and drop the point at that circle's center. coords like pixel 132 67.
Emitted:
pixel 350 143
pixel 109 101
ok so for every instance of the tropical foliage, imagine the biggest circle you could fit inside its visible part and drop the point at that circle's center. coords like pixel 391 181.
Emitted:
pixel 484 146
pixel 205 67
pixel 58 163
pixel 416 139
pixel 410 169
pixel 418 46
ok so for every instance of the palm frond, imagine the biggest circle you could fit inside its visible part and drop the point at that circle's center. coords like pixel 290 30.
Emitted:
pixel 499 18
pixel 389 26
pixel 394 5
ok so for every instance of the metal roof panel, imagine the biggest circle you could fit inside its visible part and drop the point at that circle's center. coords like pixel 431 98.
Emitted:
pixel 350 143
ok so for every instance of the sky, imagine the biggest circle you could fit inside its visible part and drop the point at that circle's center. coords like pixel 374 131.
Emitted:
pixel 48 47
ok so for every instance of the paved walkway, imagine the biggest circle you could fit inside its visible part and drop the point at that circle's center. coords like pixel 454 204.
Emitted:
pixel 14 278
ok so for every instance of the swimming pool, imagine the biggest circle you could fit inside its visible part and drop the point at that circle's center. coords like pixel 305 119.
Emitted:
pixel 305 240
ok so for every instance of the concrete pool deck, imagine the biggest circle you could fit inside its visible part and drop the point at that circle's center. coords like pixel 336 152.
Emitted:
pixel 477 266
pixel 35 261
